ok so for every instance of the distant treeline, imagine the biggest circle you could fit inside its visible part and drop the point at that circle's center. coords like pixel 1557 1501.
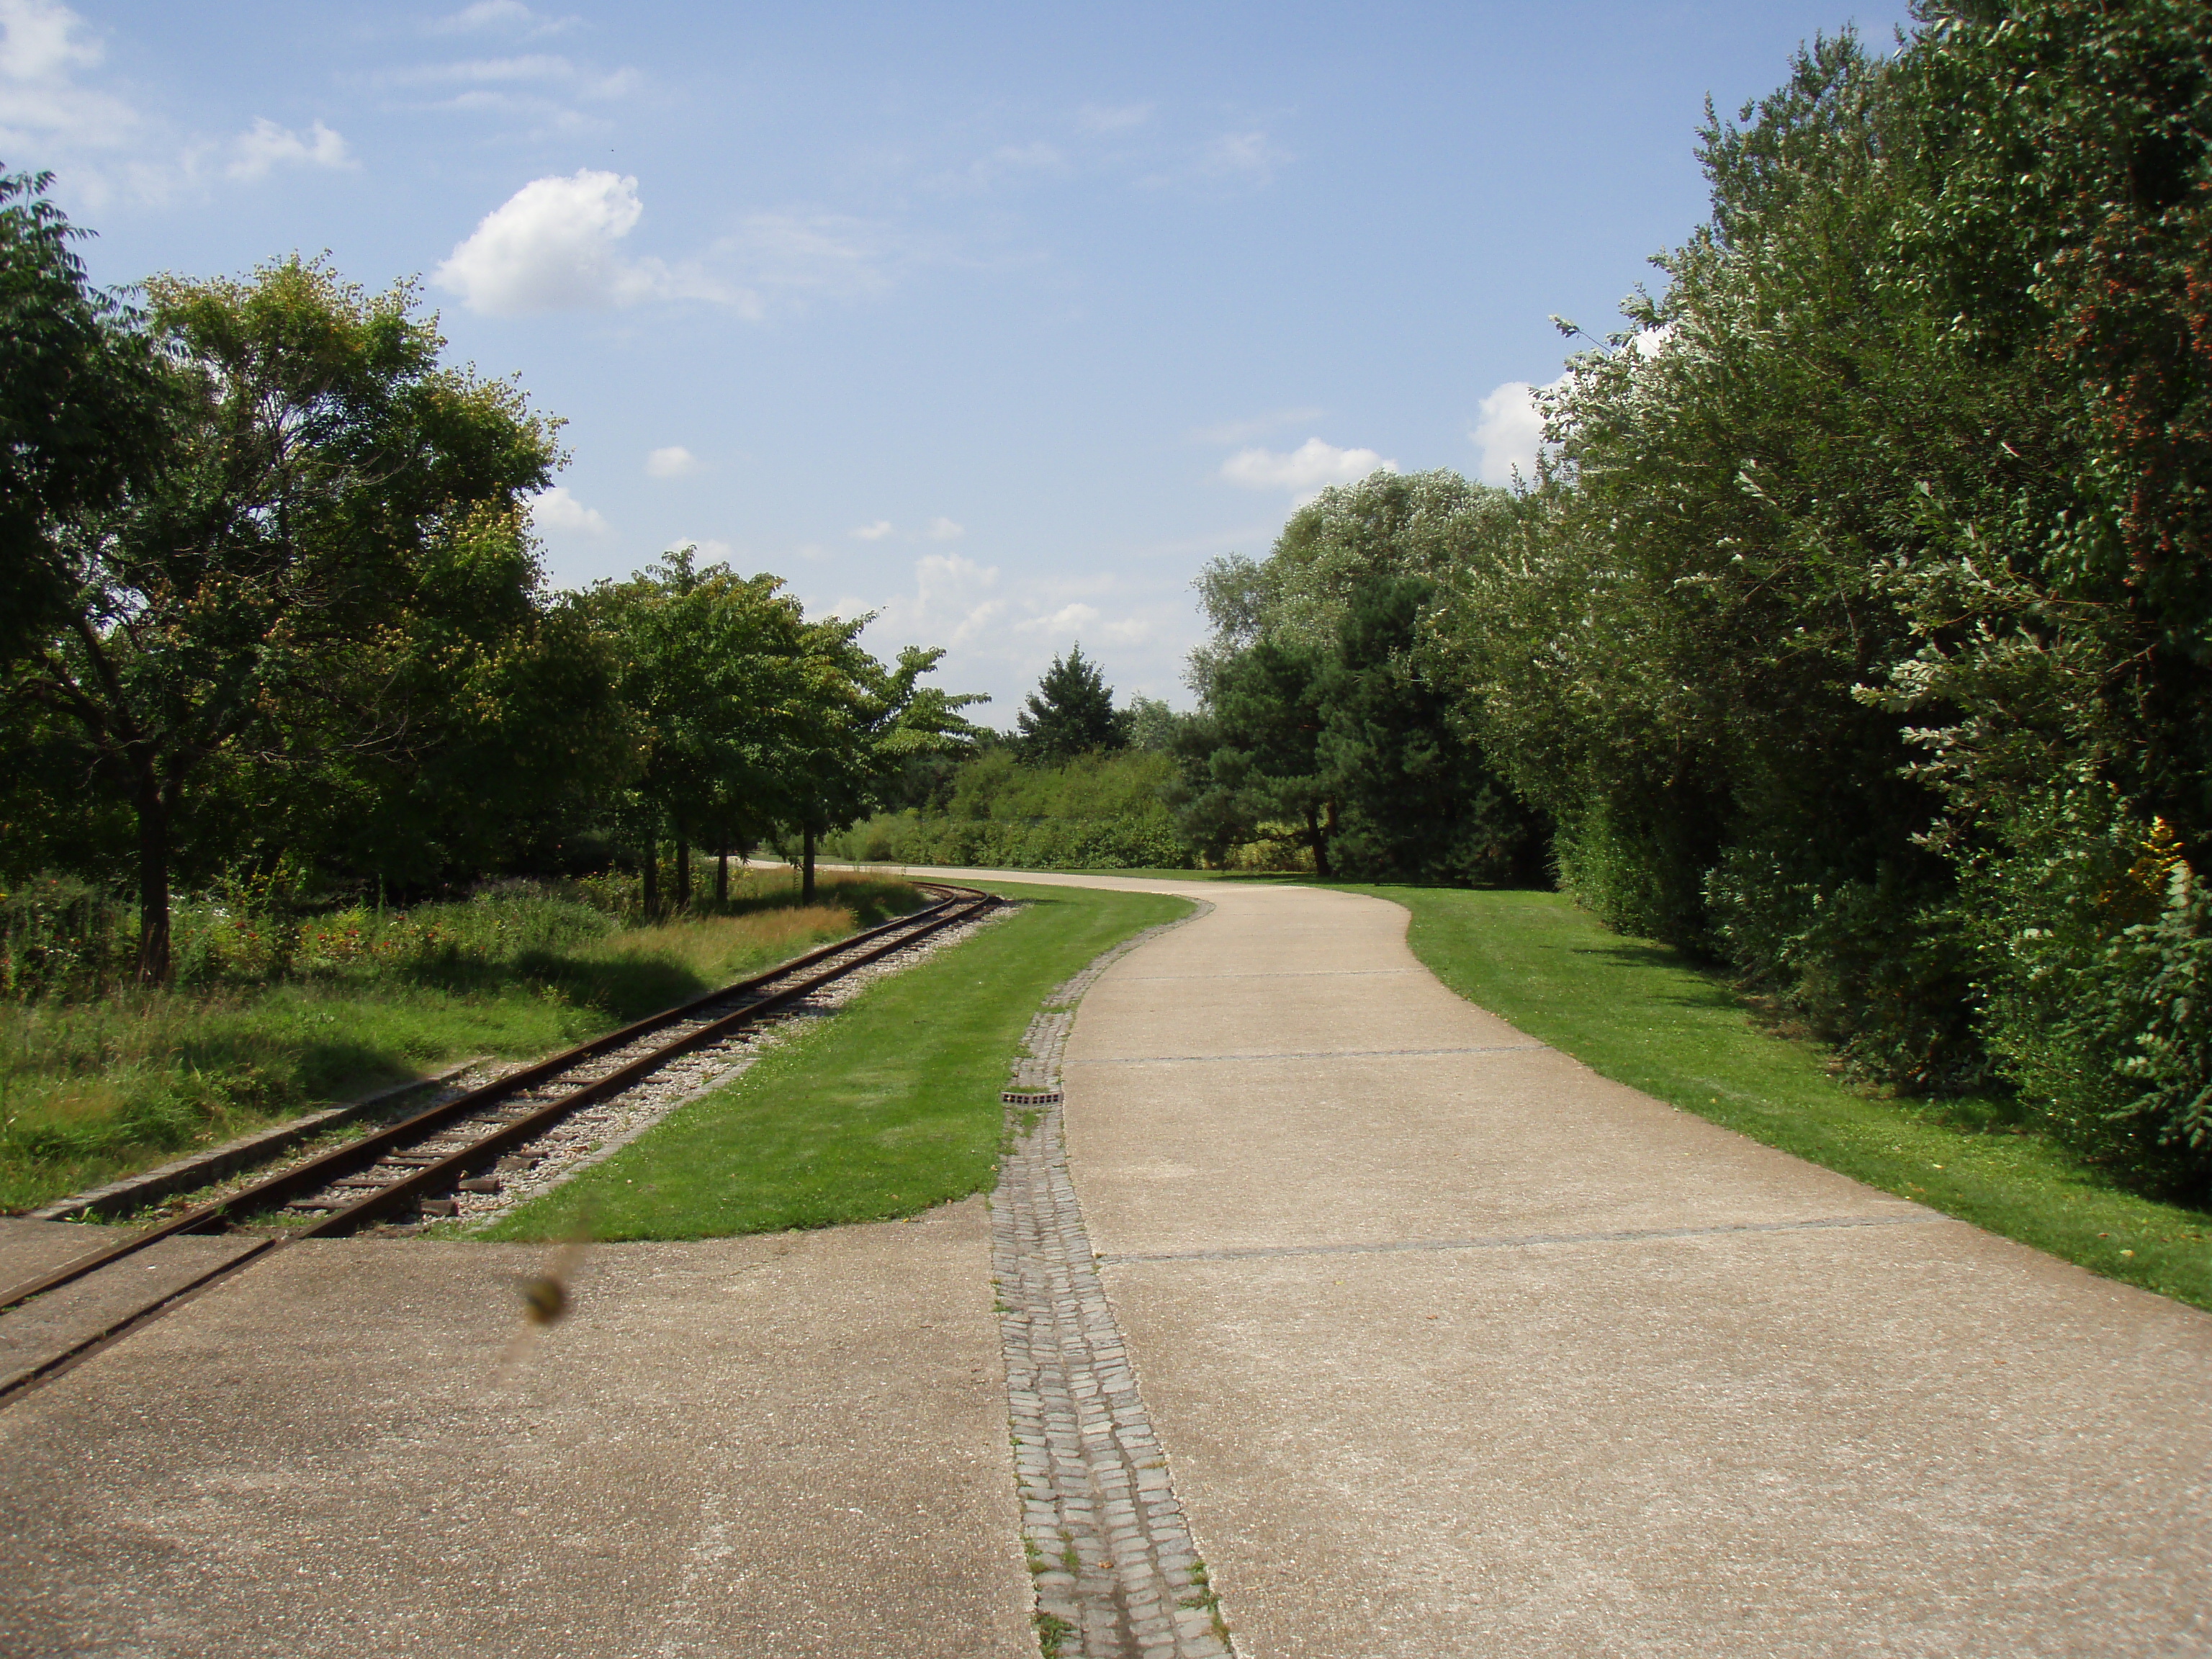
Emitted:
pixel 271 613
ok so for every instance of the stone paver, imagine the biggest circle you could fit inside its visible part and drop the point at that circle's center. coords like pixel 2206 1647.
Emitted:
pixel 1117 1574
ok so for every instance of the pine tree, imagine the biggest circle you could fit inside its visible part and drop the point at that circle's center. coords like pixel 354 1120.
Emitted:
pixel 1071 713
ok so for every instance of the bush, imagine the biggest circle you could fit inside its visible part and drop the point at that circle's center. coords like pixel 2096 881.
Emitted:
pixel 61 936
pixel 2095 955
pixel 1094 812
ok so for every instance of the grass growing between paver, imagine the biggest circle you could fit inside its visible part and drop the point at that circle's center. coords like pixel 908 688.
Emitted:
pixel 93 1090
pixel 1643 1015
pixel 883 1110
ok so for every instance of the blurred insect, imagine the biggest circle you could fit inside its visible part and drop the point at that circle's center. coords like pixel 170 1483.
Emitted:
pixel 546 1300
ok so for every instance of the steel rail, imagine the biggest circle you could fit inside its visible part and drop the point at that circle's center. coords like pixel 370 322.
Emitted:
pixel 340 1161
pixel 432 1177
pixel 960 904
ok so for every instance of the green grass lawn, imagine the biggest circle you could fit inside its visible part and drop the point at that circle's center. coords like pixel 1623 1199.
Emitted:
pixel 888 1109
pixel 1642 1014
pixel 96 1089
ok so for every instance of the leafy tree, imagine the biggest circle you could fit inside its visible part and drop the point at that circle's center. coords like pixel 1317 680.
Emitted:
pixel 1151 725
pixel 79 404
pixel 713 673
pixel 1071 713
pixel 1252 758
pixel 1328 705
pixel 859 725
pixel 1421 801
pixel 1859 635
pixel 336 526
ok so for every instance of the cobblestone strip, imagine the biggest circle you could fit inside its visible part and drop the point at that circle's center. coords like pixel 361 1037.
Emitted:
pixel 1116 1573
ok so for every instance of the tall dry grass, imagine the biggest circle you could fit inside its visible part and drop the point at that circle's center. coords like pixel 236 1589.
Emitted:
pixel 95 1087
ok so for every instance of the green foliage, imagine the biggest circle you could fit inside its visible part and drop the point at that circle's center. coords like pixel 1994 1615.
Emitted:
pixel 1857 632
pixel 323 577
pixel 1420 802
pixel 1330 719
pixel 1071 713
pixel 78 402
pixel 1096 812
pixel 711 671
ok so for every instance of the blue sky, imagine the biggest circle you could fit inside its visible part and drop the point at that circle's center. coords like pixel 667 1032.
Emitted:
pixel 998 320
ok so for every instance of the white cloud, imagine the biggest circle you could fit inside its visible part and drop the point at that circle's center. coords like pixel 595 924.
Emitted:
pixel 1313 465
pixel 540 94
pixel 508 15
pixel 1510 433
pixel 936 572
pixel 1239 432
pixel 485 71
pixel 953 603
pixel 551 246
pixel 41 40
pixel 1112 118
pixel 1068 619
pixel 1008 163
pixel 1245 157
pixel 793 253
pixel 673 462
pixel 267 145
pixel 530 69
pixel 557 512
pixel 43 110
pixel 557 245
pixel 943 529
pixel 872 532
pixel 100 142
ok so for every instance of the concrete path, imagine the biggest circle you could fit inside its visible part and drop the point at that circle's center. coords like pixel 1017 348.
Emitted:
pixel 788 1445
pixel 1454 1347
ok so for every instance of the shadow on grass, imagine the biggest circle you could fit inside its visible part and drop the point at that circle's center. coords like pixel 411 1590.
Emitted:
pixel 623 987
pixel 1711 991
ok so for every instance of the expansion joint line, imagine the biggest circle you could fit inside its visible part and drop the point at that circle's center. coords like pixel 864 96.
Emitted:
pixel 1115 1572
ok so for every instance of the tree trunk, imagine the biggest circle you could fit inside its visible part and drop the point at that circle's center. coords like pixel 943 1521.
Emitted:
pixel 1319 839
pixel 806 875
pixel 652 896
pixel 722 875
pixel 682 869
pixel 155 805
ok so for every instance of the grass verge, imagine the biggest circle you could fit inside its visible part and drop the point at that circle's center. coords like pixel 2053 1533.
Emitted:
pixel 887 1109
pixel 93 1090
pixel 1641 1014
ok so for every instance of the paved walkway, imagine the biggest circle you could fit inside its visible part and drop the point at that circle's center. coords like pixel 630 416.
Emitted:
pixel 1454 1347
pixel 1451 1347
pixel 772 1447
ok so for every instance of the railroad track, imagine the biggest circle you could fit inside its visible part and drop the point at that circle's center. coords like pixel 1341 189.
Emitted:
pixel 395 1170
